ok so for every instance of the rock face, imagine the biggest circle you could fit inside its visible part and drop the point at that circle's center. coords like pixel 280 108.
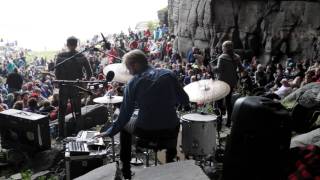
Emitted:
pixel 263 28
pixel 163 16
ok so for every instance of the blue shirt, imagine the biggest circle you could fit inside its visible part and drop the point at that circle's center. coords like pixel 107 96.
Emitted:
pixel 156 93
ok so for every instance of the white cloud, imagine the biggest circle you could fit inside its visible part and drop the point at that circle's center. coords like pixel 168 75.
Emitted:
pixel 47 23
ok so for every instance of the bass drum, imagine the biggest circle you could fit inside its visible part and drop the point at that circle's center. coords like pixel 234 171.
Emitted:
pixel 198 134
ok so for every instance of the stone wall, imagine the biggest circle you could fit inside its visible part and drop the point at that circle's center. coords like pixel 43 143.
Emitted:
pixel 262 28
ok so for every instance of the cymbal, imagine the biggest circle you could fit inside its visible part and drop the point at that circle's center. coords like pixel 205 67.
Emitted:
pixel 121 73
pixel 108 99
pixel 208 90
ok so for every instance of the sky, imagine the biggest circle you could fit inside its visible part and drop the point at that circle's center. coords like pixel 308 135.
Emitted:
pixel 46 24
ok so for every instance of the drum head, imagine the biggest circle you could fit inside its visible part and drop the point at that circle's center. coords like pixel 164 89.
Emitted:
pixel 199 117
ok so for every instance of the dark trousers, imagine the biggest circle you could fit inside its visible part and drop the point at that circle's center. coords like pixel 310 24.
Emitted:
pixel 66 94
pixel 126 146
pixel 228 106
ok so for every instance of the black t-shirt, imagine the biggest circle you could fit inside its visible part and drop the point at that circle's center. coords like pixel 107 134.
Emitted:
pixel 15 81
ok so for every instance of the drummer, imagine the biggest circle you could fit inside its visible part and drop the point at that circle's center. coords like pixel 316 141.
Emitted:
pixel 156 92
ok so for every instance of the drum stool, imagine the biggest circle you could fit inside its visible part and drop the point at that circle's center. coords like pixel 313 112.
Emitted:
pixel 155 145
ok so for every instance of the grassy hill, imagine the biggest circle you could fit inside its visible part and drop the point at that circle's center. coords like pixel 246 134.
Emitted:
pixel 46 54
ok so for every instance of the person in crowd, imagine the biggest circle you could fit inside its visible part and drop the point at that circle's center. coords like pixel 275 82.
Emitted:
pixel 190 54
pixel 298 75
pixel 228 64
pixel 246 83
pixel 70 70
pixel 10 100
pixel 46 108
pixel 260 76
pixel 14 81
pixel 2 104
pixel 25 98
pixel 284 90
pixel 316 77
pixel 156 93
pixel 32 106
pixel 18 105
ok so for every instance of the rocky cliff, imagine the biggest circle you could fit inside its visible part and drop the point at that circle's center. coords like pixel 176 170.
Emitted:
pixel 262 28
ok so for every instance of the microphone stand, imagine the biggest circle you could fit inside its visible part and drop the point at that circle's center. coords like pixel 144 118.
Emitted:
pixel 108 54
pixel 77 81
pixel 78 87
pixel 112 138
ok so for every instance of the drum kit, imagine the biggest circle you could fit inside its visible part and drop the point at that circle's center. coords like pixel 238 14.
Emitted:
pixel 199 130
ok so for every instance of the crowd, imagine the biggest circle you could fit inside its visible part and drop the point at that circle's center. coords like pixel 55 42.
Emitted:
pixel 28 85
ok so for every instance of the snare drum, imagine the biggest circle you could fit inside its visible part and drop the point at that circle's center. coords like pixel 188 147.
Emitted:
pixel 198 134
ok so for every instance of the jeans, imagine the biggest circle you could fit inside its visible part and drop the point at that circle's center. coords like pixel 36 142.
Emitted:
pixel 66 93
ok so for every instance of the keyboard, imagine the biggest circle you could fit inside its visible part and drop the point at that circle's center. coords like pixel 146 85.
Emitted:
pixel 77 148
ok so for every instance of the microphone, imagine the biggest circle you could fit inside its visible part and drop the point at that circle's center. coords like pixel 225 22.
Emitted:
pixel 96 49
pixel 110 76
pixel 106 45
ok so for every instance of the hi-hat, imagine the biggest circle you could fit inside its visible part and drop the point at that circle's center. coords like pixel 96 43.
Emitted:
pixel 208 90
pixel 121 73
pixel 108 99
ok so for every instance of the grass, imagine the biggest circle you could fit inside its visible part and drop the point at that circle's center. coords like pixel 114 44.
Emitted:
pixel 46 54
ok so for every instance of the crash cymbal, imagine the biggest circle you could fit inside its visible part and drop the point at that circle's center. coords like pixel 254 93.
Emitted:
pixel 108 99
pixel 208 90
pixel 121 73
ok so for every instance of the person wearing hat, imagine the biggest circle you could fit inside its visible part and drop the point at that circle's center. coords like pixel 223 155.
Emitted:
pixel 226 69
pixel 70 70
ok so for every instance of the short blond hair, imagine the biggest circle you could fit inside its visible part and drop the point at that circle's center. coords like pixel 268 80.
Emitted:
pixel 227 46
pixel 135 56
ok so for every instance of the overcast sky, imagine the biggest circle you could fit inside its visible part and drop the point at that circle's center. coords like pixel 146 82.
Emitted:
pixel 45 24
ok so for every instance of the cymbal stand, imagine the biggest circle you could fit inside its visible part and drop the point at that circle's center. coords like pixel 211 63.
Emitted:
pixel 110 108
pixel 219 151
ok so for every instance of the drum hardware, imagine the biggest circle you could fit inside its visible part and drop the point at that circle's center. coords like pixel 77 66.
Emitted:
pixel 109 101
pixel 198 134
pixel 203 92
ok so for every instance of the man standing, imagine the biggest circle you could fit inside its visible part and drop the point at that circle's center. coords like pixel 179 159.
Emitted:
pixel 70 70
pixel 156 92
pixel 14 81
pixel 226 69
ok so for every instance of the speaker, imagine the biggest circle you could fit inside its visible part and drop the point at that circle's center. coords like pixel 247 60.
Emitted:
pixel 24 130
pixel 91 116
pixel 80 165
pixel 258 145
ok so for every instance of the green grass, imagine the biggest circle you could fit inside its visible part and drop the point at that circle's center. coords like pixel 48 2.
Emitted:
pixel 46 54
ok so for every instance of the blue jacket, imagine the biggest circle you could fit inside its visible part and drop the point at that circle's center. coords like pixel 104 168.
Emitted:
pixel 156 93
